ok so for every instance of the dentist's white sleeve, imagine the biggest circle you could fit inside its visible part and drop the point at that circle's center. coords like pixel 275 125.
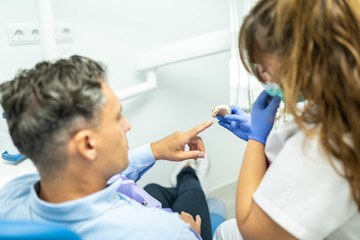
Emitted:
pixel 302 192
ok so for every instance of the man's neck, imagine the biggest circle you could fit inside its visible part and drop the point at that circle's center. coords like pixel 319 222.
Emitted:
pixel 67 188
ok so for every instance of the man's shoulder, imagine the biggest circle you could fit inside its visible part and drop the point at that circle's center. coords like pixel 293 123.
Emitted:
pixel 134 221
pixel 19 186
pixel 25 180
pixel 136 214
pixel 14 196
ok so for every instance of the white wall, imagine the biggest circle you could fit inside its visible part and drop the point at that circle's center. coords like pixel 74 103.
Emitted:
pixel 116 32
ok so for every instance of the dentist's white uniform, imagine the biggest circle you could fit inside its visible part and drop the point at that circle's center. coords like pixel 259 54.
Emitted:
pixel 301 191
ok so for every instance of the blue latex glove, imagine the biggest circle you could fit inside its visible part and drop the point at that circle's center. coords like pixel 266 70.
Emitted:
pixel 262 116
pixel 238 122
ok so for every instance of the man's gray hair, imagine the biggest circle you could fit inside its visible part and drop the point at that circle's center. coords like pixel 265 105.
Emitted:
pixel 46 105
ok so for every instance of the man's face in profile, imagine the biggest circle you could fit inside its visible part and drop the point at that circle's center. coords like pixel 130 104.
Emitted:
pixel 112 143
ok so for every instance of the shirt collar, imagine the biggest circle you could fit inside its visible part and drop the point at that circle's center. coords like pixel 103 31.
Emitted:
pixel 76 210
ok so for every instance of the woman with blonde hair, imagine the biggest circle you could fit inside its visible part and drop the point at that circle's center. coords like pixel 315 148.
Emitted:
pixel 310 50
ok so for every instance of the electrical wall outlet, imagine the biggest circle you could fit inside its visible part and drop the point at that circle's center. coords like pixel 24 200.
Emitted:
pixel 21 34
pixel 29 33
pixel 64 32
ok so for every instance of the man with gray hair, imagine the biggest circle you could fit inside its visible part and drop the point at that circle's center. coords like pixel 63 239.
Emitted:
pixel 68 121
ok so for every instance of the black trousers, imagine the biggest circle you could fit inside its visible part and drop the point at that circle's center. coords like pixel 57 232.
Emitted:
pixel 188 196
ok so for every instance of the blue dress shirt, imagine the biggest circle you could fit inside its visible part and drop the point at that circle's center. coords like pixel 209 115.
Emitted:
pixel 105 214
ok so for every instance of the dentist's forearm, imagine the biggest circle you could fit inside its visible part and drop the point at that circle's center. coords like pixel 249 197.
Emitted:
pixel 252 171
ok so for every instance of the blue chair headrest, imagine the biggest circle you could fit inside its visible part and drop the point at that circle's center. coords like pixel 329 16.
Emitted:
pixel 27 230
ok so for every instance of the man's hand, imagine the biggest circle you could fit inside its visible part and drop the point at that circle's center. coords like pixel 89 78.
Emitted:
pixel 172 148
pixel 196 225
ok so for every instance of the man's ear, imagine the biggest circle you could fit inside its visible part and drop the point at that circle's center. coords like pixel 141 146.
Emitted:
pixel 84 143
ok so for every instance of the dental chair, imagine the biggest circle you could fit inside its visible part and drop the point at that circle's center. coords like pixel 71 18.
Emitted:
pixel 26 230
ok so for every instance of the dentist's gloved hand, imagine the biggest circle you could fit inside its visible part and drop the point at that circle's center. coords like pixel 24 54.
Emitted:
pixel 262 116
pixel 238 122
